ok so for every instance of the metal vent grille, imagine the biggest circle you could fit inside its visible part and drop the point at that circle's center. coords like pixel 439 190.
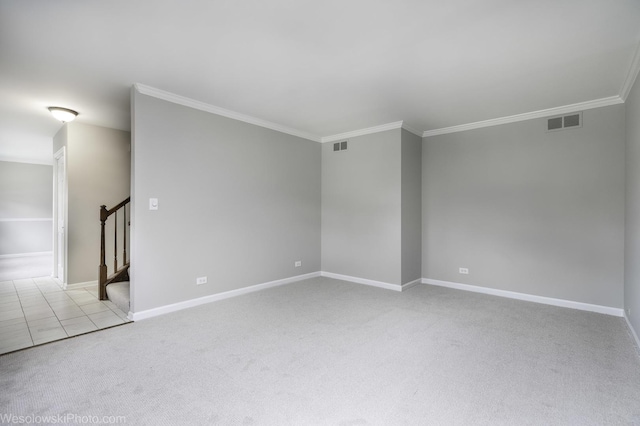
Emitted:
pixel 572 120
pixel 554 123
pixel 564 122
pixel 340 146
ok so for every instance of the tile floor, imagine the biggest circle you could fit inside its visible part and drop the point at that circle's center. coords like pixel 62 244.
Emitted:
pixel 36 310
pixel 14 268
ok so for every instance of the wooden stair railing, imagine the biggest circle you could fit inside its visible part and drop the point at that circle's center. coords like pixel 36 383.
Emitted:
pixel 118 274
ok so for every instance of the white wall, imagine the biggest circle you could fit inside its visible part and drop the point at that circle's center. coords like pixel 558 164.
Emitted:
pixel 361 208
pixel 26 199
pixel 526 210
pixel 237 203
pixel 632 217
pixel 371 209
pixel 529 211
pixel 411 207
pixel 98 163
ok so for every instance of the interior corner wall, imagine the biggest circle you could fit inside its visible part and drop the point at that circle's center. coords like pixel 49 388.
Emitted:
pixel 26 200
pixel 632 216
pixel 361 208
pixel 411 171
pixel 529 211
pixel 237 203
pixel 98 166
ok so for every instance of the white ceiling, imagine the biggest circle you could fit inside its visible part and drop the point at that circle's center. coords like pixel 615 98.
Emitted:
pixel 322 67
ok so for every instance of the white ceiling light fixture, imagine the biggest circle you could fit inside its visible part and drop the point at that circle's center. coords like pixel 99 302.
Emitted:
pixel 63 114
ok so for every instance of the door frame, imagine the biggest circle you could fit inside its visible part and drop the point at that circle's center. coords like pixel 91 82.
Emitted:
pixel 60 204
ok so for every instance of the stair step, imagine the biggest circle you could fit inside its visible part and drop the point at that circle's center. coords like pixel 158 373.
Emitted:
pixel 118 293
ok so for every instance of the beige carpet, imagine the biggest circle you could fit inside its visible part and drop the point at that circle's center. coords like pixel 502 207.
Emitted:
pixel 333 353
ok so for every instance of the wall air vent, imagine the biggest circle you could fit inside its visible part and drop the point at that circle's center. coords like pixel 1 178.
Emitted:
pixel 340 146
pixel 572 120
pixel 554 123
pixel 564 122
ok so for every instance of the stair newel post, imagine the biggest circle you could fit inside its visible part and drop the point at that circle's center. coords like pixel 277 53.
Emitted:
pixel 102 283
pixel 115 242
pixel 124 237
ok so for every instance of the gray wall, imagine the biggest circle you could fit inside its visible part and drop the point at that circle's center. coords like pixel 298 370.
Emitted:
pixel 411 207
pixel 361 208
pixel 632 217
pixel 237 203
pixel 529 211
pixel 26 199
pixel 98 172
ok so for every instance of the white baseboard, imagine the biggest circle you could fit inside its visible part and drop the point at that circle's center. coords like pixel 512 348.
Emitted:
pixel 528 297
pixel 39 253
pixel 76 286
pixel 150 313
pixel 59 282
pixel 407 286
pixel 388 286
pixel 632 330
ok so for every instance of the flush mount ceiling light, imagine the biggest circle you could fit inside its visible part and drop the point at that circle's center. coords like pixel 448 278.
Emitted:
pixel 63 114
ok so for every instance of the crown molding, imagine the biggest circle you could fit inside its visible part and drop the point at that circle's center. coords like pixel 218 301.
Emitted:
pixel 631 75
pixel 202 106
pixel 581 106
pixel 411 130
pixel 361 132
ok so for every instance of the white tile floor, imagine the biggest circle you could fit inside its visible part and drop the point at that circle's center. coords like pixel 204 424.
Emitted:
pixel 36 311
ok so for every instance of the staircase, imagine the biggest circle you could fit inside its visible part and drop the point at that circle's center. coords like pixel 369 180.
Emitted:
pixel 114 286
pixel 118 293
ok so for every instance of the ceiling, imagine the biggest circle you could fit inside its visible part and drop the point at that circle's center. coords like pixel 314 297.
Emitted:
pixel 321 67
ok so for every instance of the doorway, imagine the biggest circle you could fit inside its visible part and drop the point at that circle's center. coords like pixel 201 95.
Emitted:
pixel 60 216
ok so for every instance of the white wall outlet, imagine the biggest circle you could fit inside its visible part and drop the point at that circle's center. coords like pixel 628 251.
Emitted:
pixel 628 312
pixel 201 280
pixel 464 271
pixel 153 204
pixel 298 263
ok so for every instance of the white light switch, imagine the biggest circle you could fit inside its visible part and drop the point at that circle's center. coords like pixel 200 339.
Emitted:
pixel 153 204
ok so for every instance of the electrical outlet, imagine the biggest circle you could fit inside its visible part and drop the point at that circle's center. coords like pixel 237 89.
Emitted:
pixel 201 280
pixel 628 312
pixel 464 271
pixel 298 263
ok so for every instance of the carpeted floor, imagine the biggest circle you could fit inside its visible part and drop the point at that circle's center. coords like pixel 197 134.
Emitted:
pixel 329 352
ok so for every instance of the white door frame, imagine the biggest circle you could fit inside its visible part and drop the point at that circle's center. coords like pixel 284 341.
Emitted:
pixel 60 204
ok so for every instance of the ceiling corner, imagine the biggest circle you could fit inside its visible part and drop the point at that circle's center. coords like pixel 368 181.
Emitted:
pixel 631 75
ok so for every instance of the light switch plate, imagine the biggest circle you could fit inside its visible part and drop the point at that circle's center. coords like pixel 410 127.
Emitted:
pixel 153 204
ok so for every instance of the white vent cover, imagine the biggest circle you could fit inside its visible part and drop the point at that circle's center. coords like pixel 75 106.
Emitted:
pixel 568 121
